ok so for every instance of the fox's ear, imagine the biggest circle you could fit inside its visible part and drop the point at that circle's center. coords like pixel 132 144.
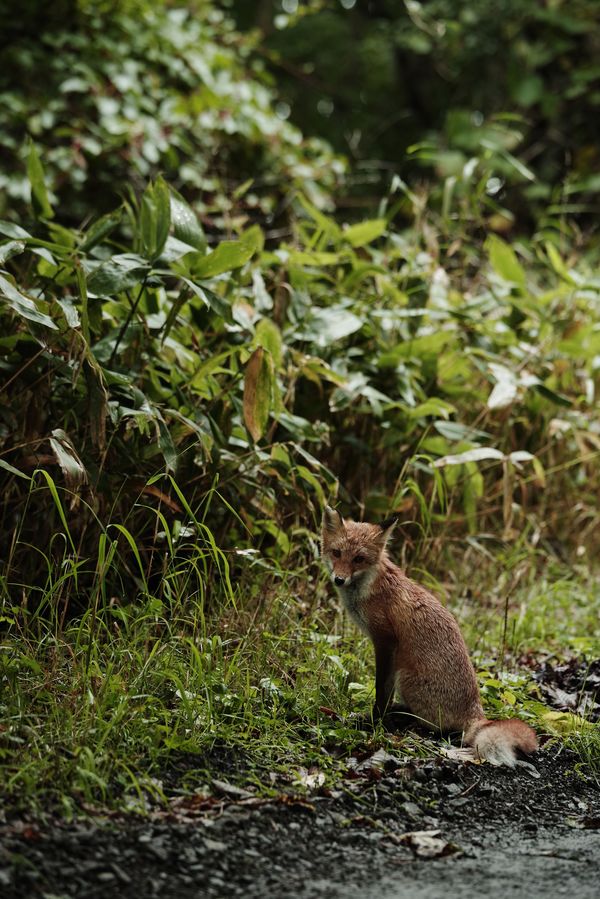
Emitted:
pixel 386 527
pixel 332 521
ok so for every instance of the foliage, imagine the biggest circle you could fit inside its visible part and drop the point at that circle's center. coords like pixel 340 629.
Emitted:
pixel 116 93
pixel 505 96
pixel 192 364
pixel 99 709
pixel 254 374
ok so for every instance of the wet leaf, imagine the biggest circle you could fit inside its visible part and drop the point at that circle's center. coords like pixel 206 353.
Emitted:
pixel 10 249
pixel 229 255
pixel 24 306
pixel 184 222
pixel 66 455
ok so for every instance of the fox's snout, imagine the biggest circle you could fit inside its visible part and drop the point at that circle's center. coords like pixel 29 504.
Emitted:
pixel 339 581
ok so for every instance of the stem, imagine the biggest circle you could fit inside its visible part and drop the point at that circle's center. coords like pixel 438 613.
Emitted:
pixel 127 321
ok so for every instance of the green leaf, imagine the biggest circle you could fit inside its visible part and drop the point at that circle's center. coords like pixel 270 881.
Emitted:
pixel 551 395
pixel 39 194
pixel 184 221
pixel 166 446
pixel 9 229
pixel 330 323
pixel 268 335
pixel 257 392
pixel 10 249
pixel 229 255
pixel 12 470
pixel 431 406
pixel 210 299
pixel 24 306
pixel 365 232
pixel 117 274
pixel 155 219
pixel 100 229
pixel 503 260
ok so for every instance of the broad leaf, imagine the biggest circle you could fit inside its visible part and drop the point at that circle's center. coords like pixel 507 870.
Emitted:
pixel 505 389
pixel 185 224
pixel 117 274
pixel 39 194
pixel 268 335
pixel 229 255
pixel 24 306
pixel 155 219
pixel 97 232
pixel 503 260
pixel 9 249
pixel 71 465
pixel 257 392
pixel 365 232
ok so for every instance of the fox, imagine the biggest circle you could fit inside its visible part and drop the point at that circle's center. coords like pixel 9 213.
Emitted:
pixel 420 653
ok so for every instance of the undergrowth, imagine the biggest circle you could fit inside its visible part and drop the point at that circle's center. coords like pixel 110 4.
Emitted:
pixel 96 708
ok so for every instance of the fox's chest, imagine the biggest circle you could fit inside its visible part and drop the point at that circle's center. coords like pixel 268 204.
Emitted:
pixel 356 601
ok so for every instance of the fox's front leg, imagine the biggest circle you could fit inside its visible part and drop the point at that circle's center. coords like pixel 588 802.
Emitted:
pixel 385 677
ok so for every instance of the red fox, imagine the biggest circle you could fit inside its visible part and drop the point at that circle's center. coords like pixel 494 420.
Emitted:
pixel 419 649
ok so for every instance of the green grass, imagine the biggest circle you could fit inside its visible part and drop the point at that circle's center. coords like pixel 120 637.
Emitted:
pixel 93 709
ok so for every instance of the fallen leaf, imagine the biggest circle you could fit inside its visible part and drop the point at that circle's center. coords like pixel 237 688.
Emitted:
pixel 311 779
pixel 428 844
pixel 227 789
pixel 461 754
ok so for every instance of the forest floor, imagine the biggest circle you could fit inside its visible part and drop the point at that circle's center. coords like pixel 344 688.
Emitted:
pixel 394 826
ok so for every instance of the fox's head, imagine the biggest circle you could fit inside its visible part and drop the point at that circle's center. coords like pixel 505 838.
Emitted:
pixel 352 550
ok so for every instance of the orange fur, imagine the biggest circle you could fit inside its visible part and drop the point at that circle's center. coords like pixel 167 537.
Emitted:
pixel 419 649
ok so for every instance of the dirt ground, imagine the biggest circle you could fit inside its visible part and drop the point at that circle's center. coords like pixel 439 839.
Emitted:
pixel 394 827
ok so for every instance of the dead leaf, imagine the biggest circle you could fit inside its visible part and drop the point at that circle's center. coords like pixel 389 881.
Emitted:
pixel 227 789
pixel 311 779
pixel 428 844
pixel 461 754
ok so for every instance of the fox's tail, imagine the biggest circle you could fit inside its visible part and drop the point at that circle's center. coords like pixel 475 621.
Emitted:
pixel 497 741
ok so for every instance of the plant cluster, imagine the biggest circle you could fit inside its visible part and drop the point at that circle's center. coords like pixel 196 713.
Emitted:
pixel 192 363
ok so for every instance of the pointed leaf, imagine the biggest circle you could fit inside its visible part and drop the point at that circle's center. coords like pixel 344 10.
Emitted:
pixel 96 233
pixel 474 455
pixel 186 226
pixel 505 389
pixel 155 218
pixel 268 336
pixel 9 249
pixel 7 467
pixel 24 306
pixel 66 456
pixel 503 260
pixel 365 232
pixel 229 255
pixel 257 392
pixel 39 194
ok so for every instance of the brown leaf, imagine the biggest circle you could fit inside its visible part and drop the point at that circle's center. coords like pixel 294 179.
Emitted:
pixel 257 392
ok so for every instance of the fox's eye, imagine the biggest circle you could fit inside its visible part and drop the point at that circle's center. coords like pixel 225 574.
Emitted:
pixel 358 559
pixel 336 553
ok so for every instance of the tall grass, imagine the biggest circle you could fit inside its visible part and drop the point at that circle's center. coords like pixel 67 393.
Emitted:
pixel 100 698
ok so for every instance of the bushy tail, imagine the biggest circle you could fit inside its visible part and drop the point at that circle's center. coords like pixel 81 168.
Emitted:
pixel 497 741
